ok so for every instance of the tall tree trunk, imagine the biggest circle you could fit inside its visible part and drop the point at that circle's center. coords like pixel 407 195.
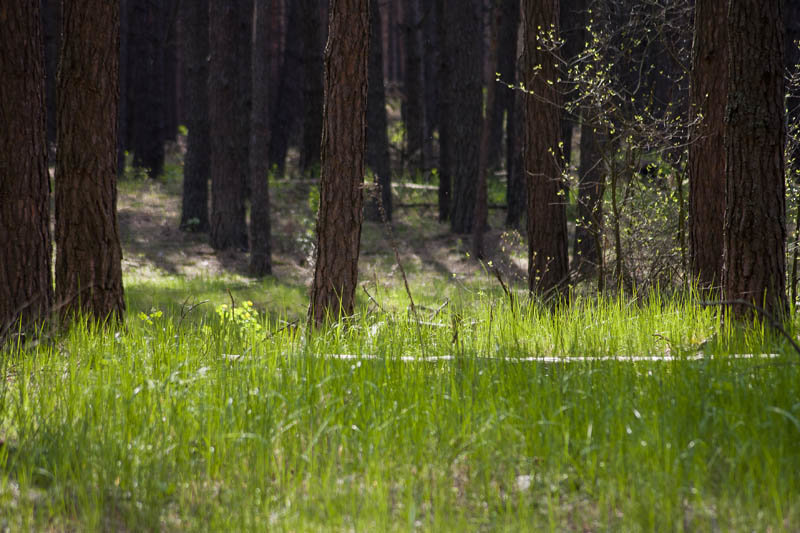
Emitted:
pixel 244 86
pixel 516 184
pixel 430 66
pixel 289 100
pixel 506 67
pixel 709 83
pixel 588 252
pixel 26 288
pixel 573 37
pixel 228 170
pixel 413 88
pixel 465 108
pixel 343 147
pixel 122 111
pixel 260 227
pixel 197 163
pixel 548 267
pixel 755 213
pixel 445 73
pixel 169 39
pixel 89 255
pixel 312 86
pixel 51 23
pixel 377 156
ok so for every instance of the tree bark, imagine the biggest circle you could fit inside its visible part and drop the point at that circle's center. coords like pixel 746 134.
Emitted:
pixel 312 86
pixel 413 88
pixel 51 23
pixel 506 67
pixel 26 288
pixel 709 84
pixel 377 157
pixel 197 163
pixel 343 147
pixel 260 227
pixel 445 73
pixel 755 213
pixel 548 267
pixel 228 170
pixel 89 255
pixel 465 108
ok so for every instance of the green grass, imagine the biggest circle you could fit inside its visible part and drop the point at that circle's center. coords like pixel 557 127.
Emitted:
pixel 237 418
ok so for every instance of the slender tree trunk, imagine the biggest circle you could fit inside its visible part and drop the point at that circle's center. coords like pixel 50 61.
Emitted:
pixel 289 101
pixel 413 88
pixel 377 157
pixel 465 109
pixel 709 83
pixel 343 147
pixel 445 73
pixel 228 170
pixel 26 288
pixel 430 66
pixel 169 38
pixel 755 214
pixel 197 163
pixel 516 184
pixel 89 255
pixel 312 86
pixel 244 86
pixel 588 250
pixel 548 266
pixel 260 227
pixel 506 67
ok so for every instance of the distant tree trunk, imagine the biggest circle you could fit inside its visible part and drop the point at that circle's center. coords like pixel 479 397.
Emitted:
pixel 465 108
pixel 145 85
pixel 588 257
pixel 228 170
pixel 244 86
pixel 197 163
pixel 343 146
pixel 431 50
pixel 289 100
pixel 260 227
pixel 506 67
pixel 573 36
pixel 548 267
pixel 89 255
pixel 312 86
pixel 755 214
pixel 445 73
pixel 377 156
pixel 26 288
pixel 413 88
pixel 169 39
pixel 709 84
pixel 516 184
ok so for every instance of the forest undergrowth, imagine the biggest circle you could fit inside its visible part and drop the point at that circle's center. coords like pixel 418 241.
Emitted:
pixel 214 407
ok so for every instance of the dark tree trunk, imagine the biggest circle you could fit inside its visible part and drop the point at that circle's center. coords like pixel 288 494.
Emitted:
pixel 377 157
pixel 445 73
pixel 145 85
pixel 413 88
pixel 289 101
pixel 430 66
pixel 506 67
pixel 755 213
pixel 793 54
pixel 465 108
pixel 51 23
pixel 197 163
pixel 122 111
pixel 709 84
pixel 573 36
pixel 548 267
pixel 26 288
pixel 169 38
pixel 89 255
pixel 312 86
pixel 516 186
pixel 244 86
pixel 343 147
pixel 228 170
pixel 588 256
pixel 260 227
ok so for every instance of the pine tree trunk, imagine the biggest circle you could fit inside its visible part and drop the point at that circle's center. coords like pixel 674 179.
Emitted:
pixel 548 267
pixel 89 255
pixel 445 73
pixel 377 157
pixel 343 147
pixel 709 85
pixel 228 170
pixel 413 88
pixel 506 67
pixel 755 213
pixel 197 163
pixel 312 86
pixel 25 278
pixel 260 227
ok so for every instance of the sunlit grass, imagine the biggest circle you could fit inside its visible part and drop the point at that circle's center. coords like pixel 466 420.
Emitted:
pixel 239 418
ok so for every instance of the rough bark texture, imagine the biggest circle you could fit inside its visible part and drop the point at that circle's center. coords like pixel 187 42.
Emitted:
pixel 312 86
pixel 506 67
pixel 709 85
pixel 260 228
pixel 89 256
pixel 197 163
pixel 51 24
pixel 377 157
pixel 25 248
pixel 228 170
pixel 289 100
pixel 587 259
pixel 463 50
pixel 755 213
pixel 413 88
pixel 343 147
pixel 548 267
